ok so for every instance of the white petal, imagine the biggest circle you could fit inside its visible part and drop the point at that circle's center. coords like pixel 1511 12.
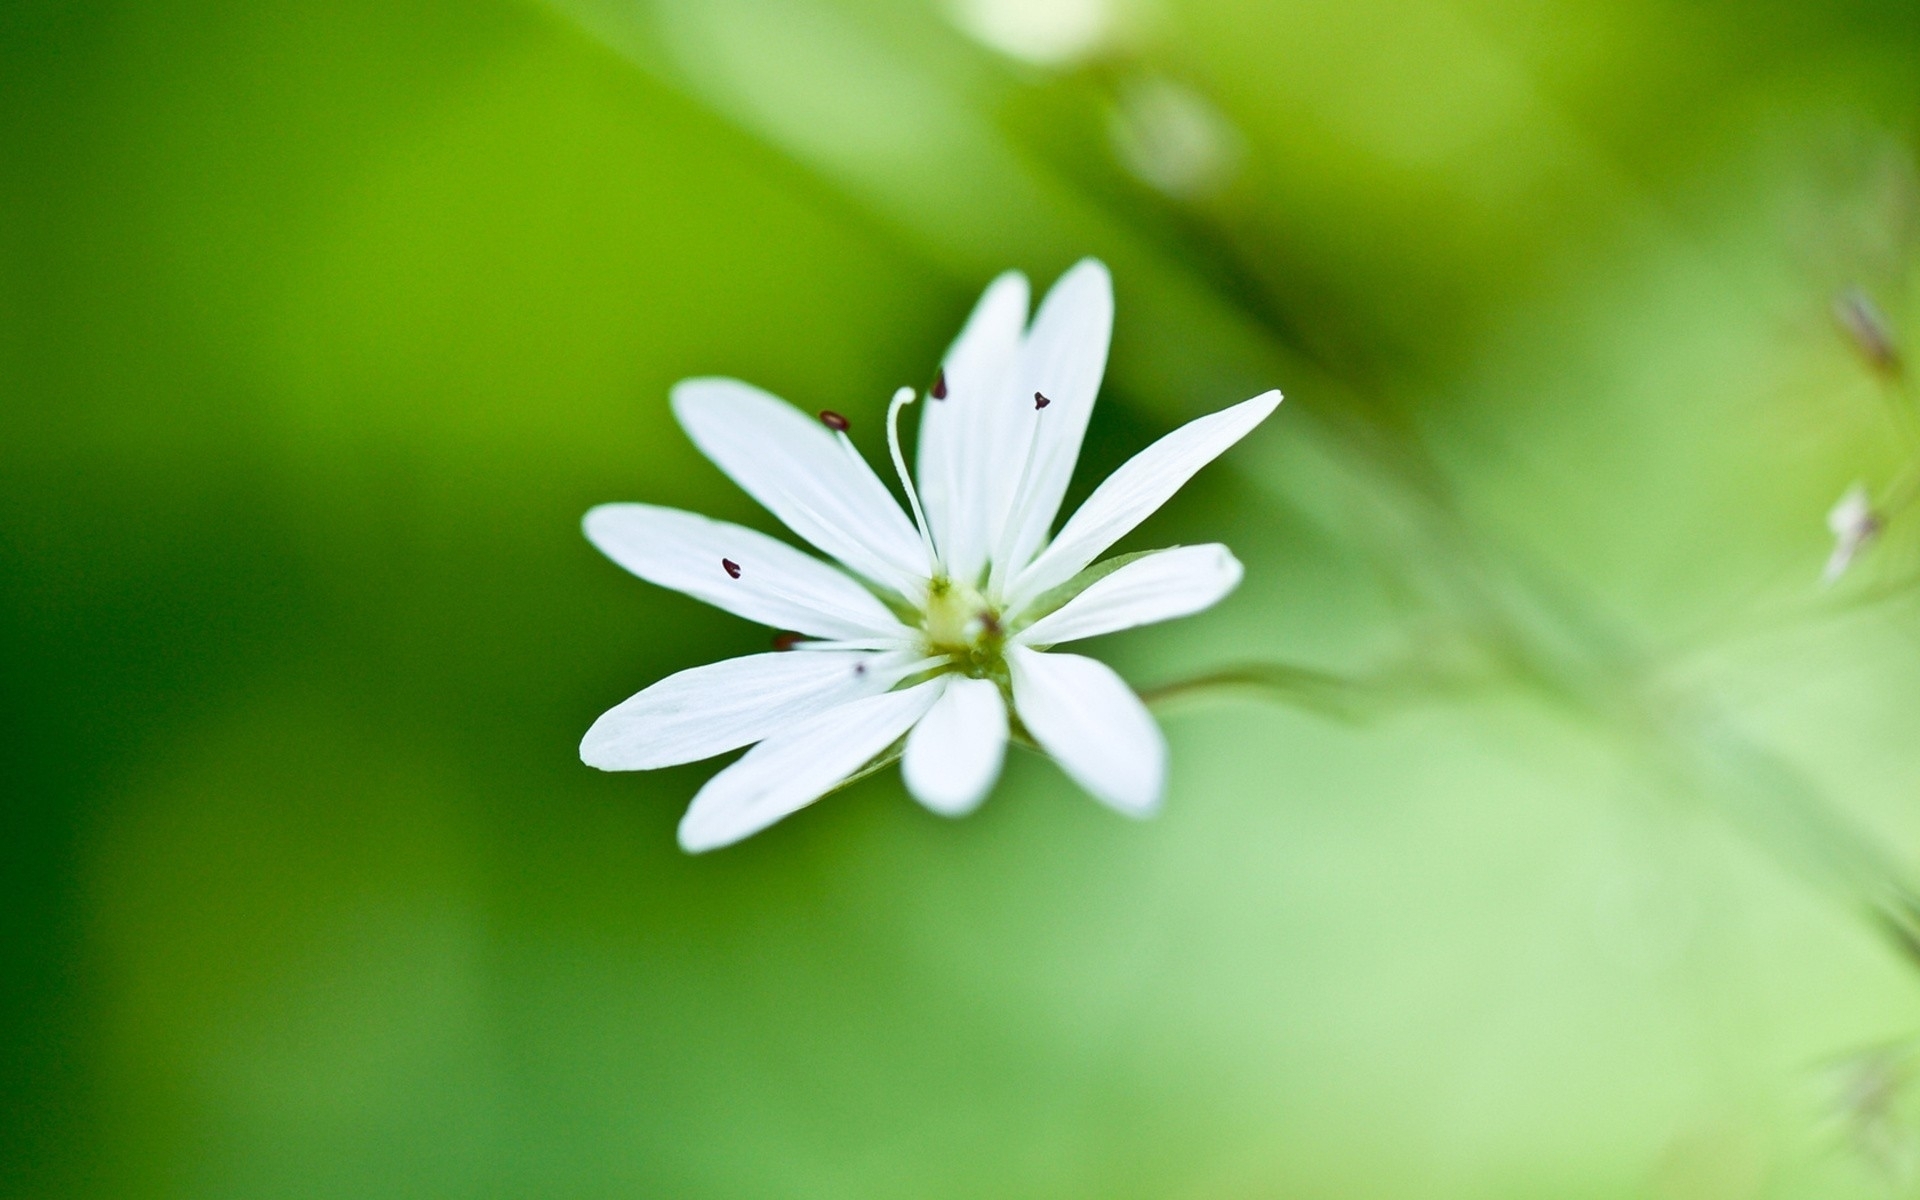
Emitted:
pixel 959 434
pixel 723 706
pixel 954 753
pixel 1062 359
pixel 1093 725
pixel 1158 587
pixel 794 768
pixel 803 474
pixel 777 585
pixel 1134 492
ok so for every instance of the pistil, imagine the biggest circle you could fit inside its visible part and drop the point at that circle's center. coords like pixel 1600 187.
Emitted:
pixel 961 626
pixel 901 399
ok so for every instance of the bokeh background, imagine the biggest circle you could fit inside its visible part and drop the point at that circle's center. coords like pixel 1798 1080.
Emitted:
pixel 1567 857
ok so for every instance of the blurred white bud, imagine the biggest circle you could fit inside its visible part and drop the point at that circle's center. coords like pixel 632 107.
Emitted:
pixel 1854 524
pixel 1173 138
pixel 1047 33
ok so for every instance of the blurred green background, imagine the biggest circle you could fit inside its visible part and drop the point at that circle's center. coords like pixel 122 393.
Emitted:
pixel 322 323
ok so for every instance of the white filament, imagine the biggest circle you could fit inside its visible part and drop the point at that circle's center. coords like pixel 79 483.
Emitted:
pixel 1010 521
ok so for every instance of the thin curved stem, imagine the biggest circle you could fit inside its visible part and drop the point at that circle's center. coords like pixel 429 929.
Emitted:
pixel 1352 699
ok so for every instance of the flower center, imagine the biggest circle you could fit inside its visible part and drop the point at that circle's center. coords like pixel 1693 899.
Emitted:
pixel 960 624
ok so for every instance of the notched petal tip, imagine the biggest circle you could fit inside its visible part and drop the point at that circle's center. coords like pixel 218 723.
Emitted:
pixel 1228 568
pixel 604 748
pixel 702 830
pixel 697 840
pixel 688 395
pixel 1141 802
pixel 1089 268
pixel 595 522
pixel 1086 290
pixel 593 752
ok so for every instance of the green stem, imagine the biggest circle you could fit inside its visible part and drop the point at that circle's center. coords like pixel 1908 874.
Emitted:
pixel 1353 699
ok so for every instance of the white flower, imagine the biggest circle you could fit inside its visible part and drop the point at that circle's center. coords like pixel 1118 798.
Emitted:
pixel 1853 523
pixel 938 623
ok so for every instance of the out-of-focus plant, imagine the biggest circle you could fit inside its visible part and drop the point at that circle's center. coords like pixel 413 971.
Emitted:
pixel 1858 518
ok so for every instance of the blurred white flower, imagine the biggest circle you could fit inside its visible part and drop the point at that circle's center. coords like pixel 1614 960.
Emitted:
pixel 1173 138
pixel 1854 523
pixel 939 624
pixel 1046 33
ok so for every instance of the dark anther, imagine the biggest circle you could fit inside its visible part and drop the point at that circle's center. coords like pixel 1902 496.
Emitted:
pixel 833 420
pixel 939 391
pixel 786 640
pixel 732 568
pixel 859 669
pixel 1040 401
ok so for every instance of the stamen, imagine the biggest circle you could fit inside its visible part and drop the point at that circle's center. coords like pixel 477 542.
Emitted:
pixel 939 391
pixel 770 585
pixel 839 424
pixel 786 640
pixel 901 399
pixel 1009 525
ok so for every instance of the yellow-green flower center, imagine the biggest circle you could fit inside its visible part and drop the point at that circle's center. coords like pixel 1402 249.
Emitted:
pixel 960 623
